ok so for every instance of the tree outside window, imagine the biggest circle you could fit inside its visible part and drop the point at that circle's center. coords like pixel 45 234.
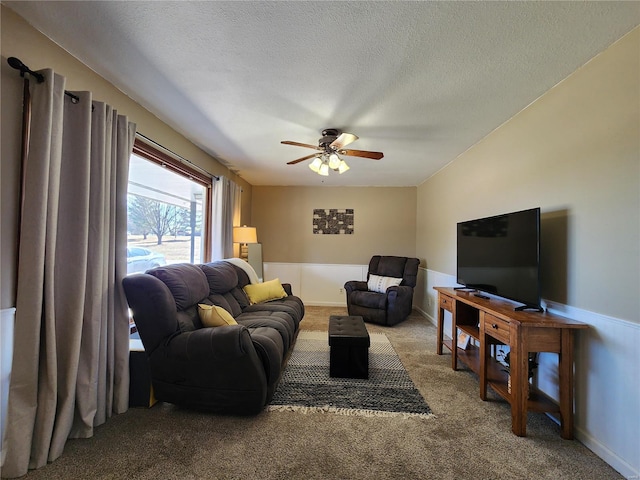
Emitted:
pixel 166 213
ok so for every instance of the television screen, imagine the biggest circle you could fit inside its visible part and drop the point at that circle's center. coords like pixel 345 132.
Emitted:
pixel 501 255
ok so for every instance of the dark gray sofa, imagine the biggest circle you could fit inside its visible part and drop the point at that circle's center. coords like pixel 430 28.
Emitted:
pixel 231 369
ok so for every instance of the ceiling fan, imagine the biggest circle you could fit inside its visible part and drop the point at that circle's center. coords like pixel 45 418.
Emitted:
pixel 329 146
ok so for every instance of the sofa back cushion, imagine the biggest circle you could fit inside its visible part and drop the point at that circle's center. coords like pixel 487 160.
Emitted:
pixel 243 278
pixel 221 276
pixel 225 301
pixel 238 292
pixel 223 286
pixel 188 285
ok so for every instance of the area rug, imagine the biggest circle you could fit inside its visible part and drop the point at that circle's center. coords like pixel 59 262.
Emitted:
pixel 307 387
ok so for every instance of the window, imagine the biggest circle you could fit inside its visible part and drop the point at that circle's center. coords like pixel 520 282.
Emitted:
pixel 167 210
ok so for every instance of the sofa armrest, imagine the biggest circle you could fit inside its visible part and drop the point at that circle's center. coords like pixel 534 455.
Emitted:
pixel 215 369
pixel 224 357
pixel 153 308
pixel 218 343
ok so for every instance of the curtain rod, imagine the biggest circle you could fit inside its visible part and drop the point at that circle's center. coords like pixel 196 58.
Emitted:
pixel 189 162
pixel 18 65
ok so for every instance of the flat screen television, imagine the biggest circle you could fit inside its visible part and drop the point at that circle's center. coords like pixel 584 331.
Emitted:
pixel 501 255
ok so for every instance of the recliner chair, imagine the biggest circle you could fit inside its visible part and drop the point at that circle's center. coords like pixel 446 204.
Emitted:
pixel 386 297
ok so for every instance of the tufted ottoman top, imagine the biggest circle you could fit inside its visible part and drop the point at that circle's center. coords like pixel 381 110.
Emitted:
pixel 347 331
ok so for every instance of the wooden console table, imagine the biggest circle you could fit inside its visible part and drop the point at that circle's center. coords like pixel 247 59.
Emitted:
pixel 495 322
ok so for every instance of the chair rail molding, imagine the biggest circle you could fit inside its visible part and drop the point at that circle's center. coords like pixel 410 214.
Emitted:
pixel 316 284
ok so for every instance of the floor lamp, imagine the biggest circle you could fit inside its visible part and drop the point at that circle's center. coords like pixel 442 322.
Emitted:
pixel 244 235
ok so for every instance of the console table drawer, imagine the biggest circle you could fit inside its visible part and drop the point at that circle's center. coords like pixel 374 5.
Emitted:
pixel 446 303
pixel 497 328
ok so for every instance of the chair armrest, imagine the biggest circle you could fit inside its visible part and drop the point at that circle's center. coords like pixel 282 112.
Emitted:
pixel 355 285
pixel 399 303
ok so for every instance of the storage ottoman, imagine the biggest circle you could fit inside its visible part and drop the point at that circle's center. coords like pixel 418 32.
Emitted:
pixel 349 347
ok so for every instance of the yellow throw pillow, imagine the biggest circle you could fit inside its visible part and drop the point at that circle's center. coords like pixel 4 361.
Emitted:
pixel 263 292
pixel 213 316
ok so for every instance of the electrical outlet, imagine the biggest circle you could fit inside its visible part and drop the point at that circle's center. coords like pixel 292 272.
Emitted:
pixel 341 290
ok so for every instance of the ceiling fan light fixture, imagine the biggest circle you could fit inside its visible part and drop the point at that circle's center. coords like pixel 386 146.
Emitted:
pixel 343 167
pixel 329 150
pixel 316 164
pixel 324 170
pixel 334 161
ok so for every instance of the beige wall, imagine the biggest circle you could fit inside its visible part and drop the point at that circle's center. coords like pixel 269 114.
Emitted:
pixel 575 153
pixel 20 40
pixel 384 223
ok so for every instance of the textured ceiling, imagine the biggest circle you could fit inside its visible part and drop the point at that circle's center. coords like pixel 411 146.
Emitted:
pixel 420 81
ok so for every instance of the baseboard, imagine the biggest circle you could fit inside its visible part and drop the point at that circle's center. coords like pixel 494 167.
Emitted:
pixel 601 450
pixel 326 304
pixel 432 320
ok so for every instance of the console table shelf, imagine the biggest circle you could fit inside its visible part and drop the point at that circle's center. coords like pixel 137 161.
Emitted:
pixel 470 357
pixel 495 321
pixel 471 330
pixel 537 401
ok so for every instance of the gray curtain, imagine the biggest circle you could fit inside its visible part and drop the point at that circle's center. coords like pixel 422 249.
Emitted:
pixel 225 215
pixel 71 344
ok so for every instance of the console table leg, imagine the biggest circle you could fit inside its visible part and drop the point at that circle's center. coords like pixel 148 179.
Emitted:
pixel 519 386
pixel 566 385
pixel 440 337
pixel 484 357
pixel 454 336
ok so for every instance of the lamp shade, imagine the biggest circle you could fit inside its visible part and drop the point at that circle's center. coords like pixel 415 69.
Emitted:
pixel 245 234
pixel 315 165
pixel 324 170
pixel 334 161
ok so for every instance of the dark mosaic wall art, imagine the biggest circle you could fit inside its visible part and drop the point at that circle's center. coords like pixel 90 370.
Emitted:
pixel 333 221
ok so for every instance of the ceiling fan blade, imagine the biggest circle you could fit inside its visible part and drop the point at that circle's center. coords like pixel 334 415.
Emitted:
pixel 298 144
pixel 362 153
pixel 343 140
pixel 293 162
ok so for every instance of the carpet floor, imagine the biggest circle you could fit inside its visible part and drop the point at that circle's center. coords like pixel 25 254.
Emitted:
pixel 468 439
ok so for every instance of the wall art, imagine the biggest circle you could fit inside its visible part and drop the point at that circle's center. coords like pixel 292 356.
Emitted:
pixel 334 221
